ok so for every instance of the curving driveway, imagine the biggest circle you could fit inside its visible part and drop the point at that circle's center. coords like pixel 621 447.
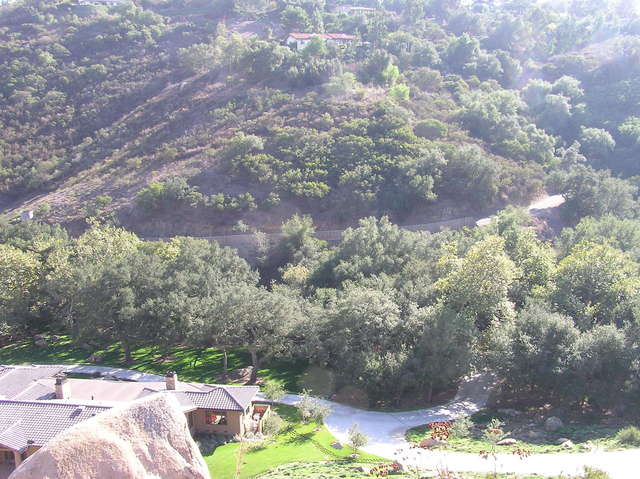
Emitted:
pixel 386 429
pixel 386 439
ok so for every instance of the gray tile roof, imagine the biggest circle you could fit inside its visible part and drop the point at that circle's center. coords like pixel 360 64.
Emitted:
pixel 36 391
pixel 39 421
pixel 228 398
pixel 13 437
pixel 14 380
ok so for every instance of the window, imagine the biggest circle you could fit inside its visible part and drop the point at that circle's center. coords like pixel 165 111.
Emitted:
pixel 217 418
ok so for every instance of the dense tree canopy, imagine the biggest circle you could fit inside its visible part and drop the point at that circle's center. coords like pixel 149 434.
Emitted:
pixel 168 118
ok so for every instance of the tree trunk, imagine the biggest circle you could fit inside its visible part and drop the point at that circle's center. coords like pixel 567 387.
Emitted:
pixel 255 363
pixel 126 347
pixel 430 392
pixel 225 364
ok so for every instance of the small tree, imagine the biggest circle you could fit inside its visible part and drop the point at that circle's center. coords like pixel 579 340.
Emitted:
pixel 356 438
pixel 312 410
pixel 273 391
pixel 305 406
pixel 461 427
pixel 319 412
pixel 493 432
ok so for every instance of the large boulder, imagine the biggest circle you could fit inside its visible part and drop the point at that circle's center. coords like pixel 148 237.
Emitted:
pixel 553 424
pixel 147 439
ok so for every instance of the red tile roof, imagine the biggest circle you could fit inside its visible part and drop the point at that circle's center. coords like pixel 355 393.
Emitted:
pixel 325 36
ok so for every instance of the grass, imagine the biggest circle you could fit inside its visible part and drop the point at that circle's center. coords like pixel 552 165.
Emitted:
pixel 599 437
pixel 350 471
pixel 300 443
pixel 191 364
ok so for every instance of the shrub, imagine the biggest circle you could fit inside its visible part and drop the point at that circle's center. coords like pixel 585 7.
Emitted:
pixel 594 474
pixel 273 390
pixel 461 427
pixel 494 433
pixel 272 200
pixel 341 85
pixel 207 444
pixel 430 129
pixel 356 438
pixel 257 445
pixel 629 435
pixel 103 200
pixel 272 425
pixel 440 430
pixel 399 92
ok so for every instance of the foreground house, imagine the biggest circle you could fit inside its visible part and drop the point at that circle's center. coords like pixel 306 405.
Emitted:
pixel 301 40
pixel 26 426
pixel 37 403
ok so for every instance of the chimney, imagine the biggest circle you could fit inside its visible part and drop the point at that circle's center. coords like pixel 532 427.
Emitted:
pixel 171 380
pixel 63 388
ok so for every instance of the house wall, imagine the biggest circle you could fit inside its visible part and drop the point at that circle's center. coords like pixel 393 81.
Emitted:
pixel 17 457
pixel 31 450
pixel 9 456
pixel 266 408
pixel 235 423
pixel 298 43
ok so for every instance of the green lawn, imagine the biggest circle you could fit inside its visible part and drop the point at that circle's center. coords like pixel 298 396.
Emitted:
pixel 297 443
pixel 191 364
pixel 601 437
pixel 351 471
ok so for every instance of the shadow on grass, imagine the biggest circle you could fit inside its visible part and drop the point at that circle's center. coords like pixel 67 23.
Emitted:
pixel 192 364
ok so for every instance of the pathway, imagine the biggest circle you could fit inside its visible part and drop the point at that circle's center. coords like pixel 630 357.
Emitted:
pixel 118 373
pixel 89 369
pixel 245 243
pixel 386 429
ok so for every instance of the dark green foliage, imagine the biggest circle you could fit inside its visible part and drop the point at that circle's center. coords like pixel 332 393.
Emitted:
pixel 629 435
pixel 430 129
pixel 589 192
pixel 173 107
pixel 535 351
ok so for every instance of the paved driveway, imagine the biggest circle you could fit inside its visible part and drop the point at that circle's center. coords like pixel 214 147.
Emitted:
pixel 386 439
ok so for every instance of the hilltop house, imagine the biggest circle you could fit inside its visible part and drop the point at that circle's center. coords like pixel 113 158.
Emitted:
pixel 300 40
pixel 37 403
pixel 355 10
pixel 103 3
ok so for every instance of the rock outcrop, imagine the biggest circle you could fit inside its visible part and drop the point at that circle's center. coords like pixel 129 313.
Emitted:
pixel 148 439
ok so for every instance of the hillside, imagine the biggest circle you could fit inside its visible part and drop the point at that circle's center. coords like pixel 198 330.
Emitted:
pixel 190 118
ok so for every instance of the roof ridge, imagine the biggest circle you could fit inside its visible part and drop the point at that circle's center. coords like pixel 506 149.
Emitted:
pixel 49 402
pixel 233 397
